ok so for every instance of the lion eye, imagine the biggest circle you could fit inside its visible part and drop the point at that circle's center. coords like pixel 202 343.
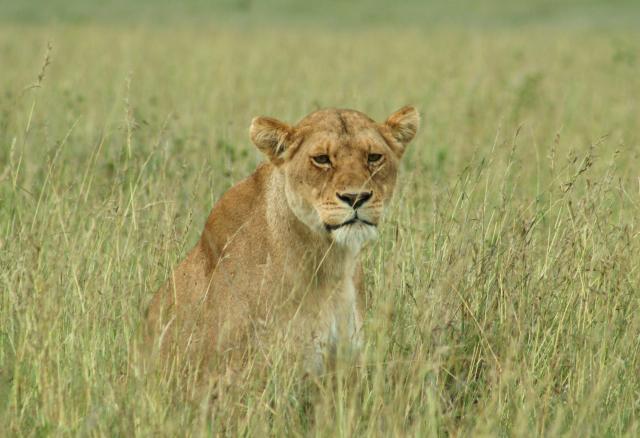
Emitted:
pixel 322 159
pixel 374 158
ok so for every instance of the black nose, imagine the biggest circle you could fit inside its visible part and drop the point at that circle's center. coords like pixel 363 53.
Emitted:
pixel 354 200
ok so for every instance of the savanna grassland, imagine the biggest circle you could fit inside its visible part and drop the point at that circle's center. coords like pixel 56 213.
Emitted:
pixel 503 293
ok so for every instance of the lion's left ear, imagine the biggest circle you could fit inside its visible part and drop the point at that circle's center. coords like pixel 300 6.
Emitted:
pixel 271 136
pixel 403 125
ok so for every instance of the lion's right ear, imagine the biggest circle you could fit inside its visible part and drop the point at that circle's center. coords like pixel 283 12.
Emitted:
pixel 271 136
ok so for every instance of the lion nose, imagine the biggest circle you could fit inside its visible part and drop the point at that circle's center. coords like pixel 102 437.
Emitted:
pixel 354 200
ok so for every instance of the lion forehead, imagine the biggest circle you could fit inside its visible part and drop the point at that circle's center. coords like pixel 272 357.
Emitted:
pixel 342 145
pixel 335 121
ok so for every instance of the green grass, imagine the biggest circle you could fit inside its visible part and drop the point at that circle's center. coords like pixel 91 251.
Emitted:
pixel 503 292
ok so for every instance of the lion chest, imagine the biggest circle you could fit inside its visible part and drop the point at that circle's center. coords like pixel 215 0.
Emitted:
pixel 336 325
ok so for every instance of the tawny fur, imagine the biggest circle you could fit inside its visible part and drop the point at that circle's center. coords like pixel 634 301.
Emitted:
pixel 269 262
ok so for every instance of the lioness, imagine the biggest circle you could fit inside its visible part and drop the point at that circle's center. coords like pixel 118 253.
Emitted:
pixel 279 254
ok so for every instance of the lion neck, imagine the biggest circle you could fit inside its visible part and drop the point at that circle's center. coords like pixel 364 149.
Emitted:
pixel 310 254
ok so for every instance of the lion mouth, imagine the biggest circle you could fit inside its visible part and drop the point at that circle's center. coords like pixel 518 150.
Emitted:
pixel 353 220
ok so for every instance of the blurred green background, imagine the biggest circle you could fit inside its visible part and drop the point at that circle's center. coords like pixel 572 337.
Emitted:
pixel 421 14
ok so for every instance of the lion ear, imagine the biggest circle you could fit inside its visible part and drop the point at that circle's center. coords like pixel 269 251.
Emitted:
pixel 271 136
pixel 403 125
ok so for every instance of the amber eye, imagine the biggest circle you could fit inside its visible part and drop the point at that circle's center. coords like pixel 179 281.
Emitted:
pixel 374 158
pixel 322 159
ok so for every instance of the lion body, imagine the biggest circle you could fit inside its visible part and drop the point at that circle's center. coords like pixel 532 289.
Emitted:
pixel 279 255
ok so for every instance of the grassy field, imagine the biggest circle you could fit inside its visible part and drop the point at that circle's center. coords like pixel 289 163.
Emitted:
pixel 504 291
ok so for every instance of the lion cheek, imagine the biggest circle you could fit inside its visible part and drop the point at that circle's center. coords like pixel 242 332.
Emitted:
pixel 302 210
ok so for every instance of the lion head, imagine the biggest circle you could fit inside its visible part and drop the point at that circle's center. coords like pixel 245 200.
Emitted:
pixel 339 167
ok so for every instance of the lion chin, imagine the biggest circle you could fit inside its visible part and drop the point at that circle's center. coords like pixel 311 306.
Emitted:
pixel 278 262
pixel 355 235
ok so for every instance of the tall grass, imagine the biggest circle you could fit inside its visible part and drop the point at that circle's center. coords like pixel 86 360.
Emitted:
pixel 503 293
